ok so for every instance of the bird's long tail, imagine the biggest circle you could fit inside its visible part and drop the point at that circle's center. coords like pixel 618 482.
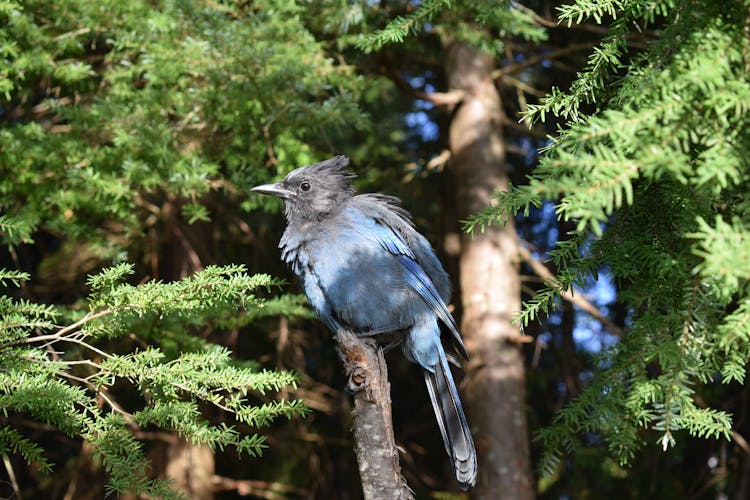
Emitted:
pixel 450 417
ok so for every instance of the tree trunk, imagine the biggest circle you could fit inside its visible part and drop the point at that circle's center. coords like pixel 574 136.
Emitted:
pixel 191 468
pixel 490 284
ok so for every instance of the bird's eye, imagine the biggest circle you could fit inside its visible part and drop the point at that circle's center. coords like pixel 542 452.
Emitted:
pixel 305 186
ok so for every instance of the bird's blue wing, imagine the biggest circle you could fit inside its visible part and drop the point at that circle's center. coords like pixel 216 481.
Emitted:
pixel 415 276
pixel 421 283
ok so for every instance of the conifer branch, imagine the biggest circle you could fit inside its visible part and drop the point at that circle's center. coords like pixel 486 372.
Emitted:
pixel 172 389
pixel 402 26
pixel 652 180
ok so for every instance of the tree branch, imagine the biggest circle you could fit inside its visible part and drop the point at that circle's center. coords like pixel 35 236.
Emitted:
pixel 436 98
pixel 12 476
pixel 536 59
pixel 541 270
pixel 523 86
pixel 520 128
pixel 262 489
pixel 374 443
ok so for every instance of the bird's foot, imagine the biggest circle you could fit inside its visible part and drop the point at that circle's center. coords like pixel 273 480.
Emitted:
pixel 390 345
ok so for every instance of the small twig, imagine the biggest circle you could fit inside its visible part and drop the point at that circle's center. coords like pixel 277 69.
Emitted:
pixel 67 334
pixel 437 98
pixel 523 129
pixel 56 338
pixel 192 254
pixel 524 87
pixel 741 441
pixel 165 437
pixel 281 346
pixel 520 96
pixel 105 396
pixel 188 390
pixel 549 23
pixel 12 476
pixel 272 160
pixel 440 160
pixel 539 345
pixel 593 28
pixel 73 484
pixel 71 34
pixel 118 409
pixel 84 320
pixel 516 150
pixel 534 60
pixel 85 362
pixel 186 119
pixel 263 489
pixel 540 269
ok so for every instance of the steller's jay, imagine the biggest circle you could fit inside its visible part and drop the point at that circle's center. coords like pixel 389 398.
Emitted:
pixel 365 269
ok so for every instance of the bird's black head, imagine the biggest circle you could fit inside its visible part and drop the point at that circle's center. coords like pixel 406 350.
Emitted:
pixel 313 191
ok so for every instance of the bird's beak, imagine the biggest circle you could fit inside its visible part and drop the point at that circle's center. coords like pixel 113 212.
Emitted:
pixel 274 190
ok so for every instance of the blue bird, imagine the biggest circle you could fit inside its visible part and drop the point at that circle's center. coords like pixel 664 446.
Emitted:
pixel 365 269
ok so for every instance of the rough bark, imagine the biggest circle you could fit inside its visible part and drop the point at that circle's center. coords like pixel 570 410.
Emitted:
pixel 374 443
pixel 490 284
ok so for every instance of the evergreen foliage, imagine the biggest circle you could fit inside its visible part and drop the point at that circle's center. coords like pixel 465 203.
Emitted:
pixel 130 130
pixel 466 21
pixel 655 180
pixel 60 375
pixel 124 125
pixel 167 100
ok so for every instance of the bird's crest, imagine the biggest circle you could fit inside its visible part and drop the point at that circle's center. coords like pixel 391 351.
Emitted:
pixel 331 172
pixel 314 191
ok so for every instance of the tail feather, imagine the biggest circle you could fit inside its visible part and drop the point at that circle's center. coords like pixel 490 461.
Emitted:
pixel 452 422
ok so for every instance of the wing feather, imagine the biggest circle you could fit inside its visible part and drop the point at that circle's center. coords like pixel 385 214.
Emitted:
pixel 392 230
